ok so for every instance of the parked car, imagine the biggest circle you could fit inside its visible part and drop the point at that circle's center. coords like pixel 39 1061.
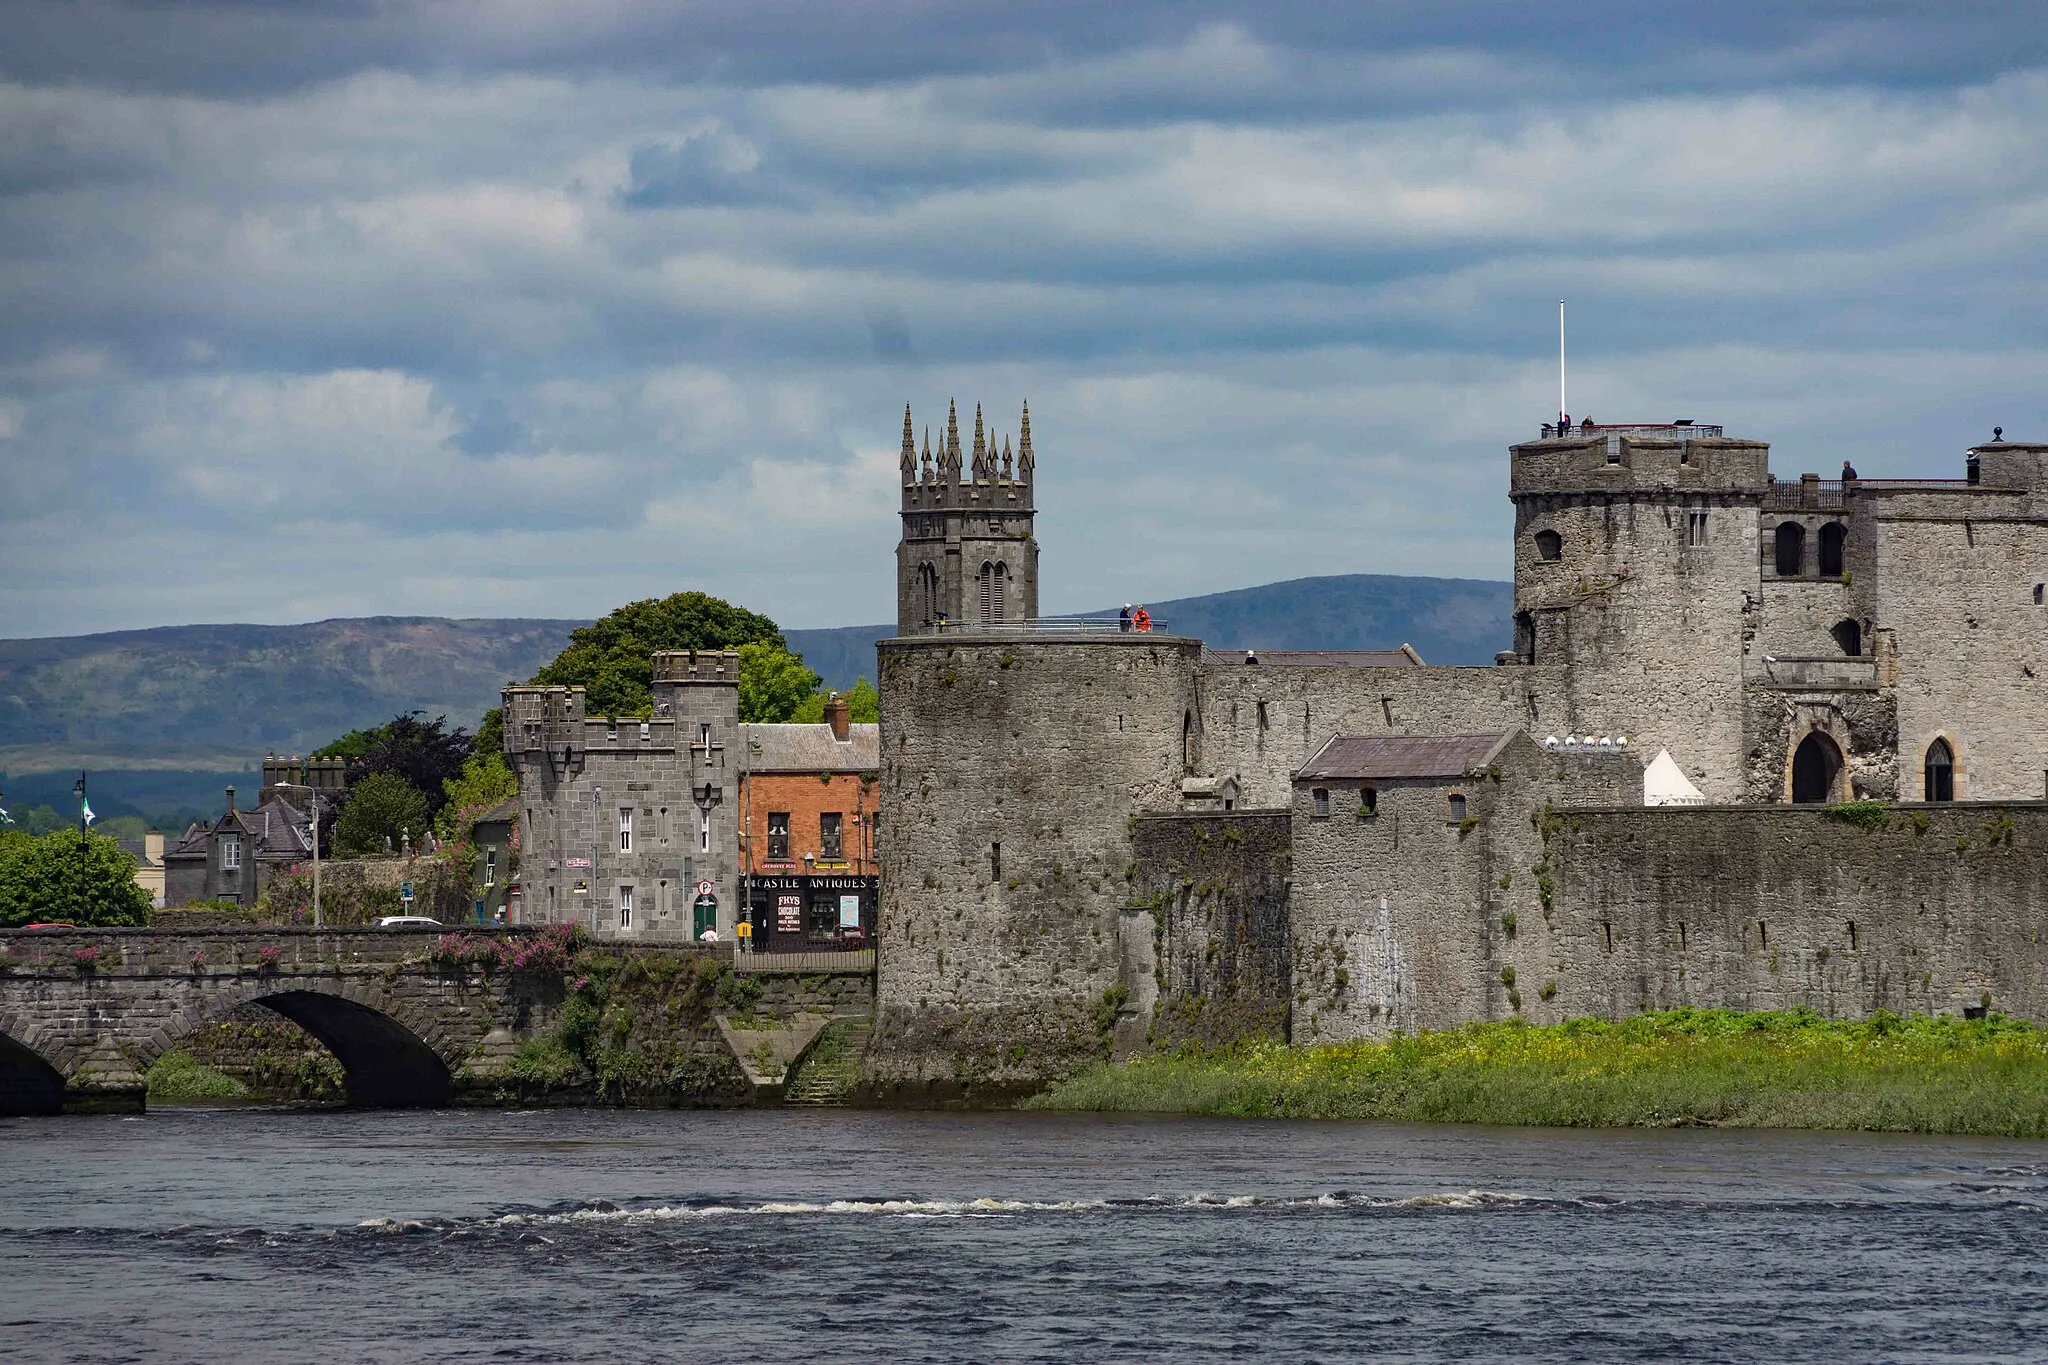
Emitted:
pixel 51 924
pixel 408 922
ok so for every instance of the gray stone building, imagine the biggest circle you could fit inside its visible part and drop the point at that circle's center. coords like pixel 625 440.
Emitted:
pixel 235 857
pixel 623 821
pixel 1792 644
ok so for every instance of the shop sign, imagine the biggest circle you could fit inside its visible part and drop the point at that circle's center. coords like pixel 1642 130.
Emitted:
pixel 789 914
pixel 849 912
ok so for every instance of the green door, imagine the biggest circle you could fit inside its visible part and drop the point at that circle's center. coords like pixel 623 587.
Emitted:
pixel 706 916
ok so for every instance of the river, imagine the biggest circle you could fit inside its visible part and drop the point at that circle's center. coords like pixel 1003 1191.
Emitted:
pixel 567 1235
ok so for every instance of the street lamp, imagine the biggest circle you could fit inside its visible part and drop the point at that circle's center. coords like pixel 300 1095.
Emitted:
pixel 302 787
pixel 84 821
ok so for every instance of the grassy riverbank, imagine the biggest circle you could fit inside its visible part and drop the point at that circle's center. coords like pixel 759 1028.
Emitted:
pixel 1672 1068
pixel 178 1078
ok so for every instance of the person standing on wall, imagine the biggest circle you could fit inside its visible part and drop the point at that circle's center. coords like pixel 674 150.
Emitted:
pixel 1141 620
pixel 1123 619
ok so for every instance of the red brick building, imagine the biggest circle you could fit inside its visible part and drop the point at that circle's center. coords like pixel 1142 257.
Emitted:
pixel 806 826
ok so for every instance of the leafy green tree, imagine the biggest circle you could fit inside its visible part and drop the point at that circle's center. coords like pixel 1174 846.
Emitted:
pixel 612 660
pixel 490 731
pixel 863 705
pixel 66 875
pixel 483 782
pixel 381 806
pixel 773 683
pixel 426 753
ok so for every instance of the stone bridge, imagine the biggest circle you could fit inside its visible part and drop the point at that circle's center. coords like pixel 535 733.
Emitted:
pixel 85 1013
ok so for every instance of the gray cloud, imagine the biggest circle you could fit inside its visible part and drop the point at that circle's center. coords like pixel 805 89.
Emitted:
pixel 505 313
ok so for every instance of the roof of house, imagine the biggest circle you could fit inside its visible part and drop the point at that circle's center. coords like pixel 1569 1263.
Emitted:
pixel 812 749
pixel 1364 756
pixel 506 810
pixel 1404 657
pixel 275 829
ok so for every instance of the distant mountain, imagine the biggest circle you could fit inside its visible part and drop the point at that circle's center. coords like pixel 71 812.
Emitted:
pixel 165 717
pixel 1448 620
pixel 217 697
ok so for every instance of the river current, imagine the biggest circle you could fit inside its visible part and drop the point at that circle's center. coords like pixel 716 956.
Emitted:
pixel 565 1235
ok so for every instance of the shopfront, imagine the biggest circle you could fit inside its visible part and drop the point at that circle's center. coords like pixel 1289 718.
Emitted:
pixel 812 912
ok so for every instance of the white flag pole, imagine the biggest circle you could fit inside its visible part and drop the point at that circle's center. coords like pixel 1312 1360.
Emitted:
pixel 1561 408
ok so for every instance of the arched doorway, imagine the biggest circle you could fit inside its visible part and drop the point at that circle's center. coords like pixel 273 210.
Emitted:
pixel 1832 535
pixel 1816 763
pixel 1938 773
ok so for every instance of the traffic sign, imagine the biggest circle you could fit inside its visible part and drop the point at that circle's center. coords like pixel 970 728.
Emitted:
pixel 705 888
pixel 405 891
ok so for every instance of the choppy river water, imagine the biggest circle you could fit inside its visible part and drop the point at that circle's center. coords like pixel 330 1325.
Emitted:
pixel 606 1236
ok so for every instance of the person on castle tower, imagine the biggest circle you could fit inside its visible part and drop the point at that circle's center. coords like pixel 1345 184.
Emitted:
pixel 1848 472
pixel 1141 620
pixel 1123 619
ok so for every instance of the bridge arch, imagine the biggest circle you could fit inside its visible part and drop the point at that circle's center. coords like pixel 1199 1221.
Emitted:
pixel 28 1083
pixel 392 1056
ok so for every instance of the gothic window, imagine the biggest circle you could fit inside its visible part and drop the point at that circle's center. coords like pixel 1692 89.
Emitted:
pixel 1938 773
pixel 1549 545
pixel 1849 635
pixel 1791 549
pixel 625 829
pixel 993 580
pixel 1831 537
pixel 1815 765
pixel 625 907
pixel 927 594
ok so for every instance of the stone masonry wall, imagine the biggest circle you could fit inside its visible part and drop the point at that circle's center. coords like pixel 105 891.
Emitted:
pixel 1776 907
pixel 1260 723
pixel 1209 913
pixel 1011 770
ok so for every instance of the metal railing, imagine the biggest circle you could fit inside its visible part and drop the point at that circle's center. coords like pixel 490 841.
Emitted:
pixel 1041 625
pixel 1787 493
pixel 828 960
pixel 1551 430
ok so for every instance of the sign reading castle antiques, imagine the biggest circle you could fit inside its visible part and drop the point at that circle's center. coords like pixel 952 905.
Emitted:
pixel 799 912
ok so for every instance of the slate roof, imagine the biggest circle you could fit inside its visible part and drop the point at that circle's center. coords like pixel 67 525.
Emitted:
pixel 812 749
pixel 1404 657
pixel 1361 756
pixel 275 829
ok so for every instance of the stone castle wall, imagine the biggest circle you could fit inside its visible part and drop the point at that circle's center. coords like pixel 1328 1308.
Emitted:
pixel 1011 770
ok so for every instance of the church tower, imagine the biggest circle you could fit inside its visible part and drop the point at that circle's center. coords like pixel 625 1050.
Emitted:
pixel 967 557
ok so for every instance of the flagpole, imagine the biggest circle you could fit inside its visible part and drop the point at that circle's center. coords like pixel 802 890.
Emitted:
pixel 1561 408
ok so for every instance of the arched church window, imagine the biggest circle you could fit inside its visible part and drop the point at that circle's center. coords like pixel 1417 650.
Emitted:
pixel 1815 765
pixel 1849 635
pixel 1831 537
pixel 993 579
pixel 927 594
pixel 1549 545
pixel 1791 549
pixel 1938 773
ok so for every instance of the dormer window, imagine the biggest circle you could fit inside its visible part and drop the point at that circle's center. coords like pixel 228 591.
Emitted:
pixel 231 853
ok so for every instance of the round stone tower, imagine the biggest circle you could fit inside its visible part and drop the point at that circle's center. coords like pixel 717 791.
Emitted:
pixel 1012 761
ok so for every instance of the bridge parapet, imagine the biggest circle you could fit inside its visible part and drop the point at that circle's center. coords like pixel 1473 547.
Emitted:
pixel 151 951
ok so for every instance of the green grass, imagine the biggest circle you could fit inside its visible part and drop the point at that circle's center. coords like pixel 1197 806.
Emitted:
pixel 176 1079
pixel 1667 1069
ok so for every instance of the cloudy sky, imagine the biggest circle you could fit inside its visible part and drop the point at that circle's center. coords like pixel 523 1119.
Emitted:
pixel 526 307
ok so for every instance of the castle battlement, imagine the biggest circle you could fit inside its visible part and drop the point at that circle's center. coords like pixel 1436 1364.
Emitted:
pixel 1638 459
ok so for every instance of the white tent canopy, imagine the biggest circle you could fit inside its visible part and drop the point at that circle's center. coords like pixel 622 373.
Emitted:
pixel 1665 784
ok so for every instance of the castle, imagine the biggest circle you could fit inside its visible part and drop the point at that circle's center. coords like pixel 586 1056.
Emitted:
pixel 1091 838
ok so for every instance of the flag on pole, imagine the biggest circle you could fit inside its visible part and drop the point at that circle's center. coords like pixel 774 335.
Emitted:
pixel 85 810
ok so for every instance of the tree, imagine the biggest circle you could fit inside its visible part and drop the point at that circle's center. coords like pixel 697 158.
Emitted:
pixel 381 806
pixel 773 683
pixel 423 752
pixel 483 782
pixel 863 705
pixel 612 660
pixel 68 875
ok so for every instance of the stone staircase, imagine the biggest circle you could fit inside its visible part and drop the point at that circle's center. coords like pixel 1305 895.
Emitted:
pixel 831 1068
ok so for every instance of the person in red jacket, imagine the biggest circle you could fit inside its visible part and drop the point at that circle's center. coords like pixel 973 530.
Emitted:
pixel 1141 619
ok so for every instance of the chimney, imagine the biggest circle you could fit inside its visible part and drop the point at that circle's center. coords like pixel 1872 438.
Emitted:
pixel 838 715
pixel 231 800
